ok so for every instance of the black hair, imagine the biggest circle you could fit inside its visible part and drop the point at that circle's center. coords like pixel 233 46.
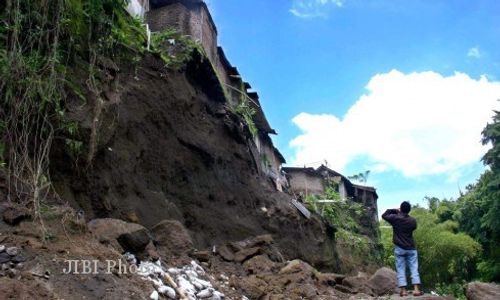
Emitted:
pixel 405 207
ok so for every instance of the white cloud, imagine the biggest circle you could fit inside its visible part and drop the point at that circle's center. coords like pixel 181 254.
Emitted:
pixel 474 52
pixel 313 8
pixel 418 124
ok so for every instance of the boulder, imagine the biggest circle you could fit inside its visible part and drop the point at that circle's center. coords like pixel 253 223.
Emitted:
pixel 482 291
pixel 259 240
pixel 383 282
pixel 172 236
pixel 225 253
pixel 4 258
pixel 357 284
pixel 259 264
pixel 298 271
pixel 14 215
pixel 13 251
pixel 202 256
pixel 330 279
pixel 245 254
pixel 253 287
pixel 134 241
pixel 108 230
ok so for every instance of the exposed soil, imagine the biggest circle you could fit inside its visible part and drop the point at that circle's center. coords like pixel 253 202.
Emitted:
pixel 169 148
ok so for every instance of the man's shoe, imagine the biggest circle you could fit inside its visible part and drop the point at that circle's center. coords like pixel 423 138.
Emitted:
pixel 419 293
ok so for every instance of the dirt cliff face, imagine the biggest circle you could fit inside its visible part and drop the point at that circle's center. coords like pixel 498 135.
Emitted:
pixel 168 148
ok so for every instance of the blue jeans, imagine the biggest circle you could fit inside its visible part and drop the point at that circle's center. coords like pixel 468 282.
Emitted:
pixel 404 257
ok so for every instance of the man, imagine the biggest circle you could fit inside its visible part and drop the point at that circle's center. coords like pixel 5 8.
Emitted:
pixel 403 226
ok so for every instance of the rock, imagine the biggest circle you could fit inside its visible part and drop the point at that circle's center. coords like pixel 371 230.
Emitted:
pixel 108 230
pixel 154 295
pixel 206 293
pixel 308 291
pixel 383 282
pixel 12 273
pixel 344 289
pixel 245 254
pixel 225 253
pixel 253 287
pixel 357 284
pixel 2 248
pixel 330 279
pixel 260 240
pixel 482 291
pixel 134 241
pixel 4 258
pixel 202 256
pixel 13 251
pixel 14 215
pixel 167 291
pixel 296 266
pixel 173 236
pixel 259 264
pixel 18 259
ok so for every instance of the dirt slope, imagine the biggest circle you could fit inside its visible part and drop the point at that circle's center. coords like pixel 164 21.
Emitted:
pixel 168 148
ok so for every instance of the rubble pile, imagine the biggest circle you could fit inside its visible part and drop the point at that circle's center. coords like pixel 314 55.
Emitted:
pixel 11 261
pixel 187 282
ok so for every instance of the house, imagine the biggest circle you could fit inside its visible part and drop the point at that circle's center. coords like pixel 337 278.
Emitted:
pixel 310 181
pixel 191 17
pixel 345 187
pixel 304 181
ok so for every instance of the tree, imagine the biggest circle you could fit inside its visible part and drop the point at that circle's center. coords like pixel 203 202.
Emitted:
pixel 478 210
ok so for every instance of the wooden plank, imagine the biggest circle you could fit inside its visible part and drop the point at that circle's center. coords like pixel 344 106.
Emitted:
pixel 302 208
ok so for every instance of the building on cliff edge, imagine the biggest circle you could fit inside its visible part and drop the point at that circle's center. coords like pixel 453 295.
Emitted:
pixel 309 181
pixel 192 18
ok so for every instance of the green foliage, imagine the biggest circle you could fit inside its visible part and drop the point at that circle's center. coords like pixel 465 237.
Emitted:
pixel 453 289
pixel 174 48
pixel 247 112
pixel 344 215
pixel 361 177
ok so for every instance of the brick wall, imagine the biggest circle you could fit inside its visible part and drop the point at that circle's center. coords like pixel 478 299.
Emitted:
pixel 189 18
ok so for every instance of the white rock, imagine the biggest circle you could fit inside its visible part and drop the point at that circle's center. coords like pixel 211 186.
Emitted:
pixel 224 277
pixel 174 271
pixel 154 295
pixel 244 298
pixel 197 285
pixel 219 294
pixel 197 267
pixel 203 283
pixel 2 248
pixel 215 297
pixel 191 274
pixel 206 293
pixel 13 251
pixel 185 285
pixel 167 291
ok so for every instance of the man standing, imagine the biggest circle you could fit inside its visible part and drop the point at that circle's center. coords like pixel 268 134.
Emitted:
pixel 404 246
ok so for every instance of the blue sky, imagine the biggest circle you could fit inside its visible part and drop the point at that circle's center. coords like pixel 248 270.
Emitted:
pixel 402 88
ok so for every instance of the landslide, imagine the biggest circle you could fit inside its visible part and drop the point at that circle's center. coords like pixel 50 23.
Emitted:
pixel 168 147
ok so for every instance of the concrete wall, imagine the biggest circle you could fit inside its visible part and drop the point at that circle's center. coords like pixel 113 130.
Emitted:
pixel 305 184
pixel 189 18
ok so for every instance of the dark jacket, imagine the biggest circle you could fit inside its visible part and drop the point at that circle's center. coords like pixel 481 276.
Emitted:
pixel 403 226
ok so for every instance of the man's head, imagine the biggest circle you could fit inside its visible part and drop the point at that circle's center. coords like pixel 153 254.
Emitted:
pixel 405 207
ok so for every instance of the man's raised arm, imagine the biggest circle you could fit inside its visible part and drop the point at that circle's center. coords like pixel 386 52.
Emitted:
pixel 390 215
